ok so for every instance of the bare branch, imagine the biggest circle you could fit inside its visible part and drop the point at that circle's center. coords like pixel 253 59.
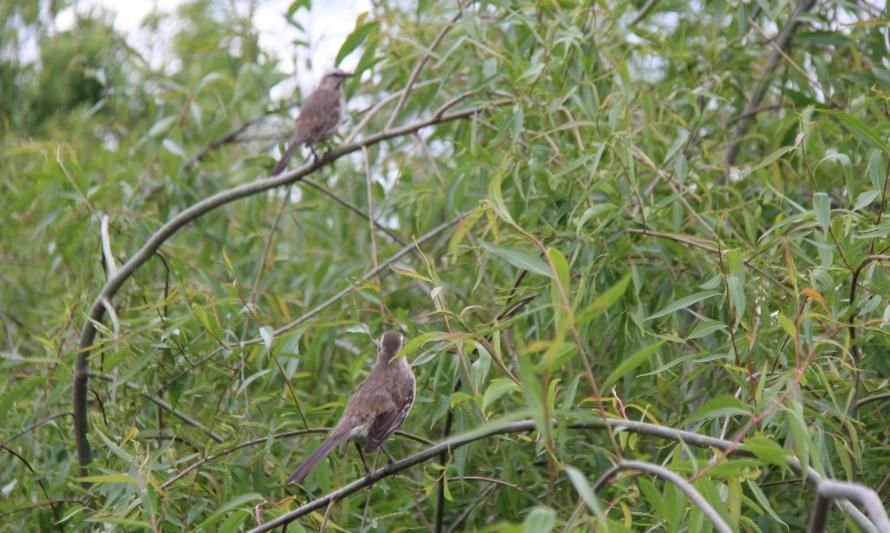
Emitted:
pixel 868 499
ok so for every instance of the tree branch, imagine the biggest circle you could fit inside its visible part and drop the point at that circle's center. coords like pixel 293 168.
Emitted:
pixel 687 488
pixel 524 426
pixel 183 218
pixel 771 64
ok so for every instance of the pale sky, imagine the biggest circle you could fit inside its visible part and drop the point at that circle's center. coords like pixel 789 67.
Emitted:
pixel 327 24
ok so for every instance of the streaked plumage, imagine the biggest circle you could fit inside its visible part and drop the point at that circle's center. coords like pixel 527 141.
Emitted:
pixel 376 410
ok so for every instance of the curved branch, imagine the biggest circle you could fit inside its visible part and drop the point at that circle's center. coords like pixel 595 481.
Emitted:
pixel 687 488
pixel 151 246
pixel 829 490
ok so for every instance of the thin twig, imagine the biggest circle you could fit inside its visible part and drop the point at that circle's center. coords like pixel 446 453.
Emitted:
pixel 33 426
pixel 369 181
pixel 372 273
pixel 372 112
pixel 419 66
pixel 692 241
pixel 163 405
pixel 643 13
pixel 338 199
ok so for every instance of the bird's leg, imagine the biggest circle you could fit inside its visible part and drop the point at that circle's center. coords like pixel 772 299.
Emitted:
pixel 389 458
pixel 314 155
pixel 362 456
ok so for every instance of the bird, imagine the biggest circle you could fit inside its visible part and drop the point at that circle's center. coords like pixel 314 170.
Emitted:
pixel 375 410
pixel 322 112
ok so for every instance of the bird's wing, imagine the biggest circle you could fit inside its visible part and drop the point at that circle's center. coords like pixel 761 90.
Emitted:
pixel 388 421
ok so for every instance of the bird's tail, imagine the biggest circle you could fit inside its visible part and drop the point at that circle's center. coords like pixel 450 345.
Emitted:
pixel 288 154
pixel 334 439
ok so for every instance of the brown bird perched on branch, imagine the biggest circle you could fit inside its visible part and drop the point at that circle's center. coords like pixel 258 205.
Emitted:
pixel 319 117
pixel 376 409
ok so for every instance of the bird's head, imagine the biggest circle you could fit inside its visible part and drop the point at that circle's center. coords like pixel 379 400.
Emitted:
pixel 334 79
pixel 390 344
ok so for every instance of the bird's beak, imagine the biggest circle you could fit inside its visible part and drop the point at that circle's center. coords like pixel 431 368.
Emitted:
pixel 348 74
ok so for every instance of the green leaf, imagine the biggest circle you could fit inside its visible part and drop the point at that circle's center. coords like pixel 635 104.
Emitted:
pixel 787 325
pixel 718 407
pixel 763 501
pixel 540 520
pixel 496 197
pixel 161 126
pixel 631 363
pixel 268 335
pixel 766 449
pixel 355 39
pixel 604 301
pixel 705 328
pixel 822 206
pixel 766 161
pixel 560 281
pixel 858 128
pixel 579 480
pixel 519 259
pixel 108 478
pixel 865 199
pixel 228 506
pixel 496 389
pixel 682 303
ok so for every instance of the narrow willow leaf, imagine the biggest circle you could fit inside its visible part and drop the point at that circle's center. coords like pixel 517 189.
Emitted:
pixel 496 389
pixel 540 520
pixel 822 207
pixel 579 481
pixel 234 503
pixel 355 39
pixel 682 303
pixel 604 301
pixel 718 407
pixel 496 197
pixel 519 259
pixel 858 128
pixel 631 363
pixel 763 501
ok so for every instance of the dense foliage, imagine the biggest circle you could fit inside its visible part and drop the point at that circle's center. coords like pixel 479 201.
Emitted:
pixel 671 213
